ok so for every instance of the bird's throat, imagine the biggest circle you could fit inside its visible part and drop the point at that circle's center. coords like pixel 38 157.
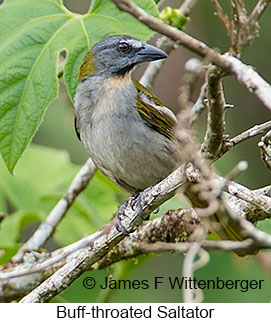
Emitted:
pixel 117 82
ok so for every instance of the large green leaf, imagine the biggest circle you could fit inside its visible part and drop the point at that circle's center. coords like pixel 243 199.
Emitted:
pixel 42 178
pixel 42 171
pixel 32 34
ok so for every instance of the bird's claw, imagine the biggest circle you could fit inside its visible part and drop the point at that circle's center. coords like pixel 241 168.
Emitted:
pixel 138 200
pixel 119 225
pixel 136 204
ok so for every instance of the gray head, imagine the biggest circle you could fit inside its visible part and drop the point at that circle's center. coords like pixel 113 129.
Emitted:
pixel 117 55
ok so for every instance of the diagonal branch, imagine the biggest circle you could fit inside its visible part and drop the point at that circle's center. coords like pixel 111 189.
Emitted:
pixel 258 200
pixel 98 245
pixel 223 17
pixel 251 132
pixel 258 11
pixel 167 45
pixel 244 73
pixel 47 227
pixel 176 225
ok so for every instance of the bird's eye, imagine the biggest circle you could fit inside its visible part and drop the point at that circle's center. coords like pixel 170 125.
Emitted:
pixel 123 46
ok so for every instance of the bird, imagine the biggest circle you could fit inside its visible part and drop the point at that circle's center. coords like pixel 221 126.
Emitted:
pixel 125 128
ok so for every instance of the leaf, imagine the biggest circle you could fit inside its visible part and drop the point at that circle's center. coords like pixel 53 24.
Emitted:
pixel 32 35
pixel 7 252
pixel 265 225
pixel 13 224
pixel 43 176
pixel 43 170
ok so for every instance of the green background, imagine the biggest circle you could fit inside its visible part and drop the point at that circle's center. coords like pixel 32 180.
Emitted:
pixel 29 195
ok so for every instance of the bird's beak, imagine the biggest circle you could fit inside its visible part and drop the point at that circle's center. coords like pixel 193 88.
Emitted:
pixel 149 53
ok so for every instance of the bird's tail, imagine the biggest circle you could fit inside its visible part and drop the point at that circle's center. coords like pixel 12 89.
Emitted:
pixel 220 224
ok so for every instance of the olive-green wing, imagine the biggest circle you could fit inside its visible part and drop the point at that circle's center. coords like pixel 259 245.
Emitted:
pixel 157 116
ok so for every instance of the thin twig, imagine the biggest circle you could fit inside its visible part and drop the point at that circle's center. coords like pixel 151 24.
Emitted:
pixel 265 146
pixel 223 17
pixel 47 227
pixel 200 104
pixel 244 73
pixel 240 167
pixel 254 131
pixel 182 247
pixel 106 239
pixel 258 11
pixel 188 265
pixel 187 7
pixel 166 45
pixel 175 225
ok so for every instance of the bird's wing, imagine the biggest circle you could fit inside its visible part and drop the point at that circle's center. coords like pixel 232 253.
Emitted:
pixel 157 116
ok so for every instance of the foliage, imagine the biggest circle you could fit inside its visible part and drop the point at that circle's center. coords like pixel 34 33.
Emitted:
pixel 32 193
pixel 32 35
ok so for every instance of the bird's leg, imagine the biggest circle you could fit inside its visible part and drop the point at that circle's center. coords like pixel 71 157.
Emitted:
pixel 136 204
pixel 121 212
pixel 138 200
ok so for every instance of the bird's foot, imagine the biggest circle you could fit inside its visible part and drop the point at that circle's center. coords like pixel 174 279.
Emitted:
pixel 136 204
pixel 138 201
pixel 121 212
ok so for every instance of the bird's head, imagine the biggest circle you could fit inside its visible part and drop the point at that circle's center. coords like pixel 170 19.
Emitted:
pixel 117 55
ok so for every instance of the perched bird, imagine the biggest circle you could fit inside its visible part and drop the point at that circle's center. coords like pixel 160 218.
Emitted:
pixel 125 129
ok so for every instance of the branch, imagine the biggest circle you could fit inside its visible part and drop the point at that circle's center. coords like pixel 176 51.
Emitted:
pixel 265 147
pixel 258 200
pixel 223 17
pixel 167 46
pixel 264 190
pixel 174 226
pixel 189 265
pixel 182 247
pixel 259 237
pixel 244 73
pixel 200 104
pixel 242 30
pixel 187 7
pixel 47 227
pixel 254 131
pixel 100 243
pixel 258 11
pixel 214 136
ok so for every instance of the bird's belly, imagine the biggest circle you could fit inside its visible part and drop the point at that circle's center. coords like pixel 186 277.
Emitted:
pixel 134 157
